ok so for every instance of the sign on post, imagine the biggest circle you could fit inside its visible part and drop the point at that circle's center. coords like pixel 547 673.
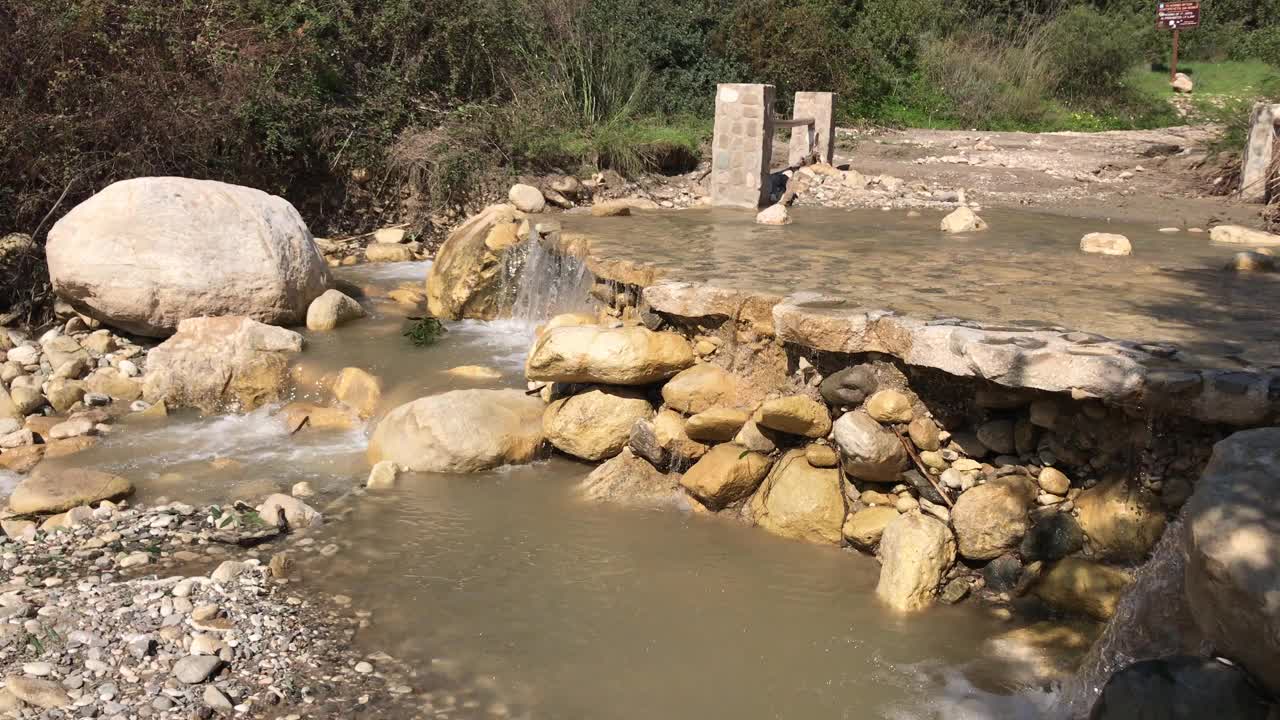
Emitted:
pixel 1177 15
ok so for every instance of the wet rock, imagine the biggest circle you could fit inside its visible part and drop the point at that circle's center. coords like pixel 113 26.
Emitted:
pixel 460 431
pixel 795 415
pixel 924 434
pixel 299 415
pixel 1251 261
pixel 848 387
pixel 1123 520
pixel 382 476
pixel 526 198
pixel 52 490
pixel 716 425
pixel 774 215
pixel 216 363
pixel 954 591
pixel 962 220
pixel 1001 575
pixel 594 424
pixel 869 451
pixel 725 475
pixel 1180 688
pixel 73 427
pixel 1231 536
pixel 630 480
pixel 1054 535
pixel 998 436
pixel 621 356
pixel 915 552
pixel 800 501
pixel 889 406
pixel 700 388
pixel 359 390
pixel 40 693
pixel 1105 244
pixel 475 372
pixel 466 277
pixel 147 253
pixel 332 309
pixel 991 519
pixel 295 513
pixel 1240 235
pixel 1083 587
pixel 610 209
pixel 864 528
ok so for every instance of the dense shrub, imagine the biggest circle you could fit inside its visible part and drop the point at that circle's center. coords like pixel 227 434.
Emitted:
pixel 1093 52
pixel 990 82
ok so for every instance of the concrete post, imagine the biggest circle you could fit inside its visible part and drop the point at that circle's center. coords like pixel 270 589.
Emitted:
pixel 741 145
pixel 821 107
pixel 1258 152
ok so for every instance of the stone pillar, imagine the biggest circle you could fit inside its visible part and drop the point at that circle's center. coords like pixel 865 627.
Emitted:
pixel 1258 152
pixel 741 146
pixel 821 107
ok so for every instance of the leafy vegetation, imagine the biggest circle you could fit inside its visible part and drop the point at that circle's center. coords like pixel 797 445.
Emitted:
pixel 425 331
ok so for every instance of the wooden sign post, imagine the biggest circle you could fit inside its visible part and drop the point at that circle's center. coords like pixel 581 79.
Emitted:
pixel 1177 15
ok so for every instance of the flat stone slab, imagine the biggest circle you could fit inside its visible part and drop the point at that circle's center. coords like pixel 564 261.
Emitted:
pixel 1165 327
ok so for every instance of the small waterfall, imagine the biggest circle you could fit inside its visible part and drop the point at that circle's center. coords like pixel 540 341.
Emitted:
pixel 539 283
pixel 1152 620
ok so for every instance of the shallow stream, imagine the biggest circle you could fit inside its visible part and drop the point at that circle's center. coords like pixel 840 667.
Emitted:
pixel 569 610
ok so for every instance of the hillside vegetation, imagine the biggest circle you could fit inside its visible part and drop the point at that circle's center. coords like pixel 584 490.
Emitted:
pixel 358 109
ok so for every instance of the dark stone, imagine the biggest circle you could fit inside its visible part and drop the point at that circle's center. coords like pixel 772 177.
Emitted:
pixel 1054 536
pixel 1001 574
pixel 923 487
pixel 849 387
pixel 644 443
pixel 955 591
pixel 1180 688
pixel 1233 382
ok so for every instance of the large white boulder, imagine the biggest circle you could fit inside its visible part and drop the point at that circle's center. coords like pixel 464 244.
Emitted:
pixel 144 254
pixel 460 431
pixel 1232 538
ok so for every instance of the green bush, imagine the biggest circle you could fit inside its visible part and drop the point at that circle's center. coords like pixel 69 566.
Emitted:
pixel 1262 44
pixel 992 83
pixel 1093 52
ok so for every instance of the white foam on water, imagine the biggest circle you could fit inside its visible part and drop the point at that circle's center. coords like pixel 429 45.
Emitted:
pixel 506 341
pixel 947 694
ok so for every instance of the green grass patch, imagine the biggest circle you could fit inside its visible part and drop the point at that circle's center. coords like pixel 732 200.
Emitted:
pixel 1242 79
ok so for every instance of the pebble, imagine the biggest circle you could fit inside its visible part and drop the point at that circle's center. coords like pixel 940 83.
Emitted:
pixel 37 669
pixel 217 700
pixel 364 668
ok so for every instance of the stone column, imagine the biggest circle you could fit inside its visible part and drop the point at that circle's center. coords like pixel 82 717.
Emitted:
pixel 741 145
pixel 821 107
pixel 1258 152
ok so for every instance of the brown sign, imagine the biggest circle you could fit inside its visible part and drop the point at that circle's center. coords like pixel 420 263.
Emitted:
pixel 1178 15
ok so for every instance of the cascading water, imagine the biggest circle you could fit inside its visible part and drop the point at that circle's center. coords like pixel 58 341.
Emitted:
pixel 1152 621
pixel 539 283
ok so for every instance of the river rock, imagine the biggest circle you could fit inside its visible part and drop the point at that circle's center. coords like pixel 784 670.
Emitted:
pixel 774 215
pixel 466 276
pixel 962 220
pixel 864 528
pixel 41 693
pixel 725 475
pixel 669 430
pixel 1241 235
pixel 1123 520
pixel 460 431
pixel 1250 262
pixel 1054 481
pixel 889 406
pixel 800 501
pixel 383 253
pixel 915 553
pixel 596 423
pixel 1105 244
pixel 111 382
pixel 757 439
pixel 821 456
pixel 613 356
pixel 63 349
pixel 848 387
pixel 1231 535
pixel 630 480
pixel 998 436
pixel 526 198
pixel 1083 587
pixel 62 393
pixel 700 388
pixel 359 390
pixel 795 415
pixel 869 451
pixel 716 425
pixel 53 490
pixel 332 309
pixel 1180 688
pixel 1054 536
pixel 145 254
pixel 925 434
pixel 217 363
pixel 195 669
pixel 298 415
pixel 990 519
pixel 295 513
pixel 382 476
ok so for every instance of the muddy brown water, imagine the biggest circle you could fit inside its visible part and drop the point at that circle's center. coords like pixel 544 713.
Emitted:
pixel 569 610
pixel 1026 269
